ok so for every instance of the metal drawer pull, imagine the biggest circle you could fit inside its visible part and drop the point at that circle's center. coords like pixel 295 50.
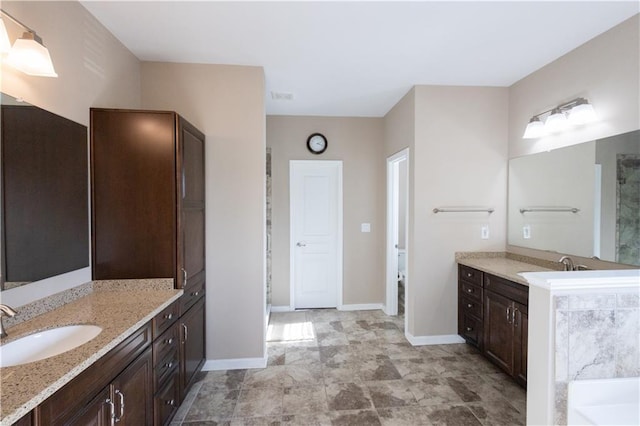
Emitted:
pixel 121 405
pixel 168 316
pixel 469 329
pixel 112 410
pixel 469 274
pixel 469 305
pixel 169 364
pixel 171 402
pixel 169 341
pixel 195 293
pixel 509 314
pixel 186 332
pixel 184 277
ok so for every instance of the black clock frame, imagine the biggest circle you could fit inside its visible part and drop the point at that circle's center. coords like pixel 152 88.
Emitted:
pixel 326 143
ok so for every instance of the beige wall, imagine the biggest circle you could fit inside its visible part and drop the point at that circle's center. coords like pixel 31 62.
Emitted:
pixel 227 103
pixel 94 70
pixel 459 159
pixel 358 143
pixel 605 70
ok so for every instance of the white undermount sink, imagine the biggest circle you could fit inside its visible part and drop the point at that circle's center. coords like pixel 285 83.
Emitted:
pixel 45 344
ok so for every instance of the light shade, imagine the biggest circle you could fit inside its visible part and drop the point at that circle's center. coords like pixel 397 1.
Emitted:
pixel 5 44
pixel 556 122
pixel 535 129
pixel 31 57
pixel 582 113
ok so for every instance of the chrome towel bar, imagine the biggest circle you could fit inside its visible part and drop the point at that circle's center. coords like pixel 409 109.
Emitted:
pixel 549 209
pixel 463 209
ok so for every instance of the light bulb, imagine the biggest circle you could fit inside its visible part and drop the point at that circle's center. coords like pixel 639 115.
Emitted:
pixel 535 129
pixel 556 122
pixel 582 113
pixel 31 57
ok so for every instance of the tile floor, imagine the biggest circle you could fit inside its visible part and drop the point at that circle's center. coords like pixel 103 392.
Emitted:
pixel 329 367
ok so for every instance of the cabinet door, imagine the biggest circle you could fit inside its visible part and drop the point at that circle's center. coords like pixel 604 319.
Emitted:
pixel 498 330
pixel 97 413
pixel 193 345
pixel 520 338
pixel 133 194
pixel 132 392
pixel 191 255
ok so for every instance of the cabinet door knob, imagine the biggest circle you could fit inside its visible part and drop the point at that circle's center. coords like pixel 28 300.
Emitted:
pixel 121 405
pixel 469 274
pixel 186 332
pixel 469 290
pixel 171 402
pixel 184 277
pixel 515 324
pixel 469 329
pixel 509 314
pixel 169 341
pixel 168 316
pixel 169 364
pixel 195 293
pixel 469 305
pixel 112 410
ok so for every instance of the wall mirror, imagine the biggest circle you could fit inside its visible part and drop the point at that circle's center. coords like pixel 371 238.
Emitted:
pixel 45 208
pixel 582 200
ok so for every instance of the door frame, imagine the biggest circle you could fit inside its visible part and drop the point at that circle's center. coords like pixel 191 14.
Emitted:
pixel 339 236
pixel 393 180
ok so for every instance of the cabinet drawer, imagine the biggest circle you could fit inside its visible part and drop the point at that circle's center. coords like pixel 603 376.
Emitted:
pixel 166 402
pixel 471 329
pixel 164 319
pixel 191 295
pixel 167 342
pixel 469 290
pixel 506 288
pixel 165 368
pixel 469 274
pixel 471 306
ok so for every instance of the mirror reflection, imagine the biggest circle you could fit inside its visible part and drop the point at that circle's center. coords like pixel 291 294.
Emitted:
pixel 582 200
pixel 45 223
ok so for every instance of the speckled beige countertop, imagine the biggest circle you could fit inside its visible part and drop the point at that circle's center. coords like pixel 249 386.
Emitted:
pixel 504 265
pixel 119 312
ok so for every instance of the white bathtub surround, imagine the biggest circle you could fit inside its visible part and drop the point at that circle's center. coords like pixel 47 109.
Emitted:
pixel 582 325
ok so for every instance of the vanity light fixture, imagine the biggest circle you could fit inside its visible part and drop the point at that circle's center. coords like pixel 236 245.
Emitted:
pixel 5 43
pixel 28 54
pixel 576 112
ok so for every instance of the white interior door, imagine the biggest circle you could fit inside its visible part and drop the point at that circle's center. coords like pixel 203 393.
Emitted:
pixel 316 233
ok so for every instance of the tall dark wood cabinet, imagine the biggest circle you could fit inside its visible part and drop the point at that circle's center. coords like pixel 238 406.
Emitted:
pixel 148 207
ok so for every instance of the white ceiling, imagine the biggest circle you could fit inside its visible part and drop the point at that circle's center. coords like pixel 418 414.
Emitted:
pixel 359 58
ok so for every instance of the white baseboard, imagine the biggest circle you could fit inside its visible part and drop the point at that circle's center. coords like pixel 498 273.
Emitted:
pixel 443 339
pixel 361 307
pixel 234 364
pixel 282 309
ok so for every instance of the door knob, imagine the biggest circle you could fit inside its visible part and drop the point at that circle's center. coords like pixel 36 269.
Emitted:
pixel 301 244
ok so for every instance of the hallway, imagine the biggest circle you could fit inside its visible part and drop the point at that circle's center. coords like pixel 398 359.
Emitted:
pixel 329 367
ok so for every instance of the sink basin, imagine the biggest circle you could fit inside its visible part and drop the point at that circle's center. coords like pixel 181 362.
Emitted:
pixel 45 344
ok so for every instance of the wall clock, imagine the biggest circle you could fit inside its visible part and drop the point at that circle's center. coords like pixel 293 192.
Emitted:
pixel 317 143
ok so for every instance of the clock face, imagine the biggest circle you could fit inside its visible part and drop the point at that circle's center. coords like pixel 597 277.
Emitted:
pixel 317 143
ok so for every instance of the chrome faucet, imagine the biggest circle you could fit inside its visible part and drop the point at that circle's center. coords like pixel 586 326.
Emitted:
pixel 567 263
pixel 8 311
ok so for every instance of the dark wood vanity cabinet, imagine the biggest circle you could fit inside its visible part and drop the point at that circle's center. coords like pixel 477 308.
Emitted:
pixel 493 316
pixel 148 199
pixel 118 386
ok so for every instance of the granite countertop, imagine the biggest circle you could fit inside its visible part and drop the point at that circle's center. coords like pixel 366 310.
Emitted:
pixel 502 266
pixel 118 312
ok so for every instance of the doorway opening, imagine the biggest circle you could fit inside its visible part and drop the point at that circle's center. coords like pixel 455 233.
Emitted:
pixel 397 248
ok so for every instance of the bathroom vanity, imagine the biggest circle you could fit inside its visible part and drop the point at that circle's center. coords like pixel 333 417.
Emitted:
pixel 493 311
pixel 113 374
